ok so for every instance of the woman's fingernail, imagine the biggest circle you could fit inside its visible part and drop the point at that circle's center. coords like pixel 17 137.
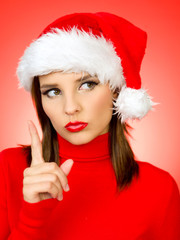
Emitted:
pixel 66 188
pixel 60 197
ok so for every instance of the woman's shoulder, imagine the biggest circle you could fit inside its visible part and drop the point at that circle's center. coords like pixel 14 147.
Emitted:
pixel 156 178
pixel 9 152
pixel 13 157
pixel 147 170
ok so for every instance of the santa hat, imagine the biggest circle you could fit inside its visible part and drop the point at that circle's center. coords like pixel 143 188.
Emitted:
pixel 101 44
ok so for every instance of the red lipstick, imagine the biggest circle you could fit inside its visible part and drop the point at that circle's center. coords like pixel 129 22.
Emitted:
pixel 75 126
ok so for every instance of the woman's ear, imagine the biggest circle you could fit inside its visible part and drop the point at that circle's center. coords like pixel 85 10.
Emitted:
pixel 115 93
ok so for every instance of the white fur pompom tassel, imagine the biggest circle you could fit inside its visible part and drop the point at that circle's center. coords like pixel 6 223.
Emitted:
pixel 132 103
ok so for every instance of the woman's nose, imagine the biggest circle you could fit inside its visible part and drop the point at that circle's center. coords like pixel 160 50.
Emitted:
pixel 71 105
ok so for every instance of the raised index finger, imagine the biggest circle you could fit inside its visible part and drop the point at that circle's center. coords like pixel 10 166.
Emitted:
pixel 36 146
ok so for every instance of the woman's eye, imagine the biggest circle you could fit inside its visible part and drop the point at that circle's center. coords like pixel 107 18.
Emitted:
pixel 52 92
pixel 88 85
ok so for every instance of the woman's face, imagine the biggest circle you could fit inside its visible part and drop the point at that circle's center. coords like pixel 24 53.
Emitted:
pixel 78 100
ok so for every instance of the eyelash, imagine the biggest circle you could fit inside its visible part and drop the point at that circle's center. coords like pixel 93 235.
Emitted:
pixel 89 82
pixel 57 89
pixel 49 90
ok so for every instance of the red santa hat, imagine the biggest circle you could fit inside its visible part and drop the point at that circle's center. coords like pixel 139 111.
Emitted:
pixel 101 44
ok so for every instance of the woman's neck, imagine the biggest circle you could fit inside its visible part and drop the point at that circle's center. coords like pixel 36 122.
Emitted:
pixel 95 150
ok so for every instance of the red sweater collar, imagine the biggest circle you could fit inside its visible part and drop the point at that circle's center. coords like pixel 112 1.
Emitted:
pixel 95 150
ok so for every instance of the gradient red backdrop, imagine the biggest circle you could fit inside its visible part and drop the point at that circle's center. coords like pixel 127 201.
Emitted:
pixel 156 137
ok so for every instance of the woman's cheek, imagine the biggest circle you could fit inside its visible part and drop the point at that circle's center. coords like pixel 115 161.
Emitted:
pixel 45 107
pixel 50 109
pixel 103 100
pixel 100 105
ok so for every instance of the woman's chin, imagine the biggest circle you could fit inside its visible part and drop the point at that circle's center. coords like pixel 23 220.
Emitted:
pixel 79 138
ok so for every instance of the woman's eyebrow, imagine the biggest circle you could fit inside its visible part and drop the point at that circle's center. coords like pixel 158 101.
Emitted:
pixel 49 86
pixel 82 78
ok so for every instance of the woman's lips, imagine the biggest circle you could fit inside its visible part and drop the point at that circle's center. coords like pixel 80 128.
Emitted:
pixel 75 126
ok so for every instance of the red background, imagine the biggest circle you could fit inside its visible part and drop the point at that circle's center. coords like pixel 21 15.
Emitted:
pixel 156 137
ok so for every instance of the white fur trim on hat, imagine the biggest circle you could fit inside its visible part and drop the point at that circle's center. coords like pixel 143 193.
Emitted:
pixel 70 51
pixel 132 103
pixel 78 51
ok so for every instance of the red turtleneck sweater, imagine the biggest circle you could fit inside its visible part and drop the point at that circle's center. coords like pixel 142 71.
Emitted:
pixel 148 209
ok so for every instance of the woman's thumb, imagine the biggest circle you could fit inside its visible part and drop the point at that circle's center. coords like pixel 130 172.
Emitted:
pixel 66 166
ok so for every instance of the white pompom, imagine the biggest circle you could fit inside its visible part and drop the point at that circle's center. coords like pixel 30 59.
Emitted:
pixel 132 103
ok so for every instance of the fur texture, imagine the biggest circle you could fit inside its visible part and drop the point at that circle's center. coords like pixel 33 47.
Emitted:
pixel 78 51
pixel 72 51
pixel 132 103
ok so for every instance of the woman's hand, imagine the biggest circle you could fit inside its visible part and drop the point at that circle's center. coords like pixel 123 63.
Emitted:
pixel 44 180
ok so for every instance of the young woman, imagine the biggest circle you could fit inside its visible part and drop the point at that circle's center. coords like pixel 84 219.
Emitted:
pixel 82 180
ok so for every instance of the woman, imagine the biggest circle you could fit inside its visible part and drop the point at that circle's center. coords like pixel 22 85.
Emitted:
pixel 82 181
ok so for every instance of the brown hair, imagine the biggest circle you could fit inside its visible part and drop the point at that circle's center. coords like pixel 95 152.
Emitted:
pixel 122 157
